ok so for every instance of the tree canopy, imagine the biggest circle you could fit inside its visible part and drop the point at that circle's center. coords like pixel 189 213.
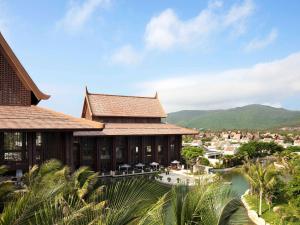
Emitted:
pixel 191 153
pixel 256 149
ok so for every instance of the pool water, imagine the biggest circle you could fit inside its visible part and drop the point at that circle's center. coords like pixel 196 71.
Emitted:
pixel 239 184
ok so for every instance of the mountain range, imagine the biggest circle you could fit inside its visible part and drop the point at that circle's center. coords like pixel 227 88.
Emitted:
pixel 247 117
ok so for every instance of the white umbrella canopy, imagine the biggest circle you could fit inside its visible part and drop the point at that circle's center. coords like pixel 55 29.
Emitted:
pixel 125 166
pixel 154 164
pixel 175 162
pixel 140 165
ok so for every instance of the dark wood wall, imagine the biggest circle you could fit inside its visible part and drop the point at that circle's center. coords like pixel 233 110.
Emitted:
pixel 104 155
pixel 12 91
pixel 54 145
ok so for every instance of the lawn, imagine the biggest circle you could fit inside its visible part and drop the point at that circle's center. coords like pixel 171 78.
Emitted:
pixel 269 216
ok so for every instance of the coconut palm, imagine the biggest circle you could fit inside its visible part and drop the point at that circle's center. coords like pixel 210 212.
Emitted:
pixel 6 188
pixel 54 195
pixel 207 203
pixel 262 178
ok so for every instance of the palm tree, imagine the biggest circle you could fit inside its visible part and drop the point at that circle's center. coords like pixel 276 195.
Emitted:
pixel 54 195
pixel 207 203
pixel 262 179
pixel 6 188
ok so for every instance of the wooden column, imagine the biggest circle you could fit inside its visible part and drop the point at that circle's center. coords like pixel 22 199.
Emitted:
pixel 69 140
pixel 113 155
pixel 179 147
pixel 143 153
pixel 129 152
pixel 1 147
pixel 31 148
pixel 155 153
pixel 168 151
pixel 98 154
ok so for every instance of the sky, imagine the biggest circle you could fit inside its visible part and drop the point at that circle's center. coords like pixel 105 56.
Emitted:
pixel 196 54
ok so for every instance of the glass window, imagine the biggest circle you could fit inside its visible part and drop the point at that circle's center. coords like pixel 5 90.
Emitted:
pixel 38 142
pixel 159 148
pixel 119 152
pixel 105 153
pixel 13 146
pixel 148 149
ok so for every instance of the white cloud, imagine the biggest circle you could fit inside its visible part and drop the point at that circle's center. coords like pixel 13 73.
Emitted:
pixel 166 30
pixel 269 82
pixel 126 55
pixel 78 13
pixel 257 44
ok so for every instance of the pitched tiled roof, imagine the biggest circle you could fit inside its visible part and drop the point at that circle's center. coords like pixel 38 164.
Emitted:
pixel 124 106
pixel 138 129
pixel 20 70
pixel 37 118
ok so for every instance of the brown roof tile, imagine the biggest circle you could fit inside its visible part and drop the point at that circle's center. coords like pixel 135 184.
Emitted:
pixel 138 129
pixel 124 106
pixel 37 118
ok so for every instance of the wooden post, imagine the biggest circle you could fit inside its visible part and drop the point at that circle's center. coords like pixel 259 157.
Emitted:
pixel 143 153
pixel 129 152
pixel 98 154
pixel 30 148
pixel 155 158
pixel 113 155
pixel 1 147
pixel 179 147
pixel 168 160
pixel 69 150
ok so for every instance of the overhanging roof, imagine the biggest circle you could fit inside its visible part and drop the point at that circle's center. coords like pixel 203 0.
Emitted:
pixel 20 70
pixel 37 118
pixel 104 105
pixel 131 129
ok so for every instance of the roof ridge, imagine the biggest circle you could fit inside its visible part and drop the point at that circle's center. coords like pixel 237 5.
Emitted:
pixel 125 96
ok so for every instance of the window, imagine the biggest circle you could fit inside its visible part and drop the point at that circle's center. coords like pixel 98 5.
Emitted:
pixel 148 149
pixel 159 148
pixel 119 152
pixel 14 146
pixel 38 143
pixel 88 150
pixel 105 153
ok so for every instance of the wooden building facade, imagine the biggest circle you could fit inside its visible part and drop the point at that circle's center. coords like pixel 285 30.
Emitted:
pixel 30 134
pixel 133 133
pixel 113 130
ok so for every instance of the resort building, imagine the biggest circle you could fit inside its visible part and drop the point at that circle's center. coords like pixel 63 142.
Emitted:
pixel 113 130
pixel 134 132
pixel 30 134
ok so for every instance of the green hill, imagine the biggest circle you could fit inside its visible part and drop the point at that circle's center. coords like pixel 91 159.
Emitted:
pixel 247 117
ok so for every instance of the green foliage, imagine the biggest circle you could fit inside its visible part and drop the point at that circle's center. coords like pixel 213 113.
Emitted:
pixel 256 149
pixel 54 195
pixel 263 178
pixel 293 149
pixel 6 189
pixel 293 186
pixel 187 138
pixel 191 153
pixel 203 161
pixel 247 117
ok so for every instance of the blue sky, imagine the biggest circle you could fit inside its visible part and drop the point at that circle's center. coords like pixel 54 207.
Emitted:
pixel 197 55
